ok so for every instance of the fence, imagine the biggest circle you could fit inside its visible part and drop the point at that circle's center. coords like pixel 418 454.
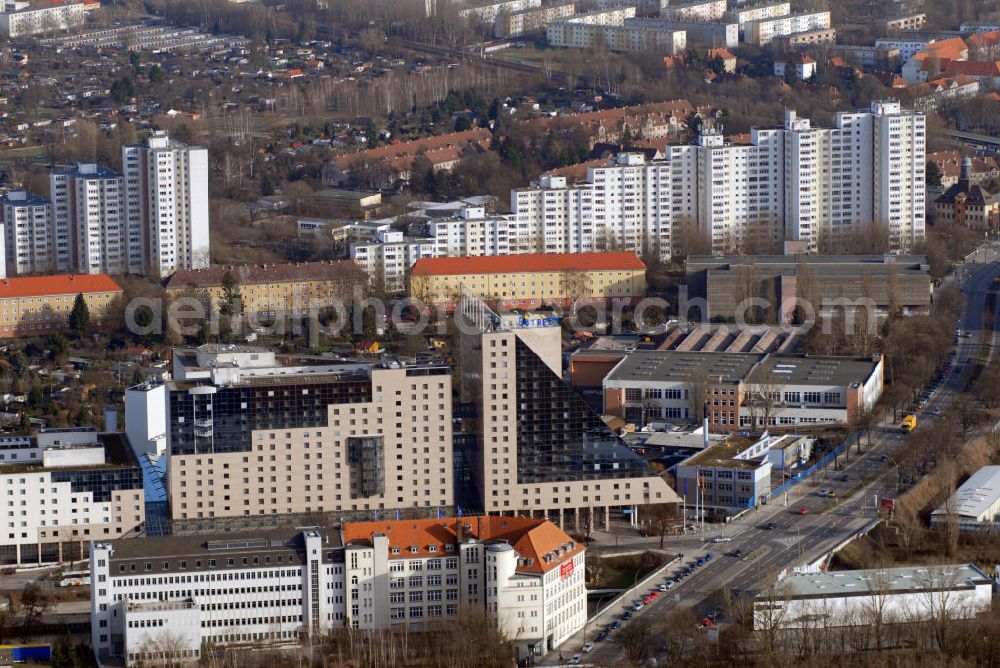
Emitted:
pixel 826 459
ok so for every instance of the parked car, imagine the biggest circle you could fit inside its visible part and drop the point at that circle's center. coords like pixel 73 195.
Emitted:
pixel 722 539
pixel 588 648
pixel 770 526
pixel 803 511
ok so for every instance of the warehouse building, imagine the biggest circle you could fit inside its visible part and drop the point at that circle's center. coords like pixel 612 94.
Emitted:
pixel 825 281
pixel 874 596
pixel 976 501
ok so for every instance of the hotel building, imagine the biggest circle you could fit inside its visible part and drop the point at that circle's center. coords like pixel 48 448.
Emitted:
pixel 249 433
pixel 534 446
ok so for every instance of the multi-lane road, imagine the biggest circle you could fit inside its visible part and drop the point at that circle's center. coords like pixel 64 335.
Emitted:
pixel 804 526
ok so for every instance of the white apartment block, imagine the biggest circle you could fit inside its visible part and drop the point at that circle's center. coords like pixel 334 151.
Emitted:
pixel 488 12
pixel 515 24
pixel 618 29
pixel 694 10
pixel 387 261
pixel 744 15
pixel 28 234
pixel 761 32
pixel 62 488
pixel 88 215
pixel 24 22
pixel 167 205
pixel 164 599
pixel 817 185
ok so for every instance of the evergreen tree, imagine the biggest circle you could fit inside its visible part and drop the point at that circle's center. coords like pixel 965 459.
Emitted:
pixel 79 317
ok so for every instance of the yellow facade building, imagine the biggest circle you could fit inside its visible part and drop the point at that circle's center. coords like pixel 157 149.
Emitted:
pixel 270 289
pixel 35 305
pixel 529 281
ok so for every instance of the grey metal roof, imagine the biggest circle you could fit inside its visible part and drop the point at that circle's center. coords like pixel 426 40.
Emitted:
pixel 888 580
pixel 976 496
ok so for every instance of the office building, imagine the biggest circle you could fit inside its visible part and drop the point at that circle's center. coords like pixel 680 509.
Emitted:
pixel 885 282
pixel 28 234
pixel 88 216
pixel 534 446
pixel 762 32
pixel 251 433
pixel 976 504
pixel 247 591
pixel 270 290
pixel 530 281
pixel 64 488
pixel 726 477
pixel 737 391
pixel 21 22
pixel 40 305
pixel 874 597
pixel 822 186
pixel 167 205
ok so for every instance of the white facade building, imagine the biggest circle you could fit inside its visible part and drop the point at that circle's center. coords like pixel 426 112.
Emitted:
pixel 797 182
pixel 167 205
pixel 65 487
pixel 146 418
pixel 874 596
pixel 761 32
pixel 272 587
pixel 28 234
pixel 977 500
pixel 27 21
pixel 88 215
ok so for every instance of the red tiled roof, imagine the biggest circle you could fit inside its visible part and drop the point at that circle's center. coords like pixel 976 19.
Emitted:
pixel 252 274
pixel 975 68
pixel 992 97
pixel 63 284
pixel 534 262
pixel 577 171
pixel 983 39
pixel 532 539
pixel 413 148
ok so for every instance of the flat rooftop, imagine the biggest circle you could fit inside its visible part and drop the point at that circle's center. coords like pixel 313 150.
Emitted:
pixel 723 455
pixel 821 262
pixel 891 580
pixel 661 365
pixel 817 370
pixel 783 369
pixel 218 546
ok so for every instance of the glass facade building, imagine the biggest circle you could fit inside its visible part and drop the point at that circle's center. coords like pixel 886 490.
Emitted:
pixel 559 438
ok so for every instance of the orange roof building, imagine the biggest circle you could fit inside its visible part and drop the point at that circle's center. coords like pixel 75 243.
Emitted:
pixel 37 305
pixel 530 280
pixel 527 572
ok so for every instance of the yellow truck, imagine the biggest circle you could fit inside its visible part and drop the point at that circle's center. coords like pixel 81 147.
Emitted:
pixel 908 424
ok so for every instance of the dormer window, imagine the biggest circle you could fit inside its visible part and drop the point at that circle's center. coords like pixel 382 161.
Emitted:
pixel 414 549
pixel 395 550
pixel 449 548
pixel 432 548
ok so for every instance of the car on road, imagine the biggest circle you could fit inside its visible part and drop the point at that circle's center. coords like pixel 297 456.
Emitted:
pixel 700 561
pixel 722 539
pixel 669 583
pixel 602 636
pixel 575 660
pixel 708 556
pixel 935 411
pixel 615 625
pixel 770 526
pixel 737 554
pixel 803 511
pixel 827 493
pixel 588 648
pixel 639 605
pixel 663 587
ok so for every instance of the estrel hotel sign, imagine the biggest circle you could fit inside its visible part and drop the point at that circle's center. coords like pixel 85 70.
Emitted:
pixel 566 569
